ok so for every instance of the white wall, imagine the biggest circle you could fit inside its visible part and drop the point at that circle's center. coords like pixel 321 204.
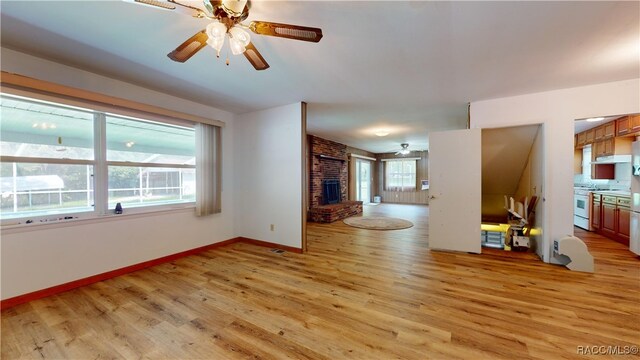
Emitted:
pixel 44 257
pixel 557 110
pixel 268 169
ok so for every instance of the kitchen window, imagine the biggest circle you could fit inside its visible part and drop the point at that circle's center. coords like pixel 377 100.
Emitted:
pixel 61 162
pixel 400 175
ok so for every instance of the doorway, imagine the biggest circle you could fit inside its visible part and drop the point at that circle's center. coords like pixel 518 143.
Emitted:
pixel 363 181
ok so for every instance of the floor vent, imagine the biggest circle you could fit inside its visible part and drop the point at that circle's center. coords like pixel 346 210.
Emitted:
pixel 277 251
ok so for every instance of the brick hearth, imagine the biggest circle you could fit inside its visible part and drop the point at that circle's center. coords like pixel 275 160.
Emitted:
pixel 334 212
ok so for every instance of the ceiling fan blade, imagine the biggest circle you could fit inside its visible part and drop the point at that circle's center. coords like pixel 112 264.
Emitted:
pixel 188 48
pixel 255 58
pixel 172 5
pixel 288 31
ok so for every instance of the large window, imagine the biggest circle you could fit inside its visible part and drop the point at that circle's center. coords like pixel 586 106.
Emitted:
pixel 149 163
pixel 400 175
pixel 60 160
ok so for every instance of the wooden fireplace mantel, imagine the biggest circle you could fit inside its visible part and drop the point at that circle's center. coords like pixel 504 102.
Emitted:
pixel 330 158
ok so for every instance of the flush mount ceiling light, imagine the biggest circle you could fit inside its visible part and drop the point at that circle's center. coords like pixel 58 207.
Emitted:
pixel 382 133
pixel 227 16
pixel 595 119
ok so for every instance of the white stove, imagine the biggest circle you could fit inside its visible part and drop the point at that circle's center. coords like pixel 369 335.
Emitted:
pixel 581 208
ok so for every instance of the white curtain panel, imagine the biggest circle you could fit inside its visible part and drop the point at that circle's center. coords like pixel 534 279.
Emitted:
pixel 208 168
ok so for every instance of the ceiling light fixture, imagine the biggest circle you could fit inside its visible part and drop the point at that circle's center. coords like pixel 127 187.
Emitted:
pixel 129 144
pixel 382 133
pixel 403 149
pixel 43 126
pixel 595 119
pixel 217 32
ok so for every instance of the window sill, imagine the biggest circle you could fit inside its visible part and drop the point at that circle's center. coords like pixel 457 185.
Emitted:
pixel 92 219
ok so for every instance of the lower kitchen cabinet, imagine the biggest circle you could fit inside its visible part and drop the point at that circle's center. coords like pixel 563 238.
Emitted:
pixel 611 217
pixel 596 214
pixel 608 227
pixel 624 224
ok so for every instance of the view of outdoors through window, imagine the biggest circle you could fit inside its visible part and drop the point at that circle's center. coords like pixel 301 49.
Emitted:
pixel 165 156
pixel 400 175
pixel 48 160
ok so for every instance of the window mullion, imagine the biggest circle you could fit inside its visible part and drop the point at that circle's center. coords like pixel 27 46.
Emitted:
pixel 101 171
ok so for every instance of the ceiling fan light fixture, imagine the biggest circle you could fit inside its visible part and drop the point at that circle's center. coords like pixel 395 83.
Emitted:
pixel 240 35
pixel 381 133
pixel 216 43
pixel 238 40
pixel 234 7
pixel 216 32
pixel 236 47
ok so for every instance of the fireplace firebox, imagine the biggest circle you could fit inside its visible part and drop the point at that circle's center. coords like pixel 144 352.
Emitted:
pixel 331 191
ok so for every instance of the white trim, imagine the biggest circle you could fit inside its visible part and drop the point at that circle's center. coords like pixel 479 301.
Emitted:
pixel 150 165
pixel 362 157
pixel 38 160
pixel 401 159
pixel 92 219
pixel 100 171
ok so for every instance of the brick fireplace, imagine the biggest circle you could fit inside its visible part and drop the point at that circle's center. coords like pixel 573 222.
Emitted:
pixel 328 161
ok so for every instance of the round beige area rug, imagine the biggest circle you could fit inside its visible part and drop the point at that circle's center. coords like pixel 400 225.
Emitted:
pixel 377 222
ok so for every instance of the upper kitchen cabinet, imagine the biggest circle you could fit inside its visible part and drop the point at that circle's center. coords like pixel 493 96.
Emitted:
pixel 599 133
pixel 628 125
pixel 605 131
pixel 623 126
pixel 609 129
pixel 634 121
pixel 589 136
pixel 580 142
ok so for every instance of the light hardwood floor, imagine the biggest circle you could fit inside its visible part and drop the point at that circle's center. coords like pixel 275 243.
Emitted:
pixel 357 294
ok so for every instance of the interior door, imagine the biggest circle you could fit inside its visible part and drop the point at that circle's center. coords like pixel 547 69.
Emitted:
pixel 363 181
pixel 455 188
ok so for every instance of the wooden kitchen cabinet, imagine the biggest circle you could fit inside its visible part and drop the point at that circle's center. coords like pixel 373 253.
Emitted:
pixel 634 123
pixel 581 139
pixel 596 212
pixel 611 217
pixel 589 136
pixel 612 146
pixel 608 226
pixel 599 135
pixel 577 162
pixel 623 126
pixel 609 146
pixel 609 129
pixel 623 225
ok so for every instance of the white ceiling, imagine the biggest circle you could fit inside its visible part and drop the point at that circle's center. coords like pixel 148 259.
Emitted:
pixel 408 67
pixel 583 125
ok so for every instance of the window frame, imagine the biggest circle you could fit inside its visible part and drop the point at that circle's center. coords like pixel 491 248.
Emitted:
pixel 99 162
pixel 403 188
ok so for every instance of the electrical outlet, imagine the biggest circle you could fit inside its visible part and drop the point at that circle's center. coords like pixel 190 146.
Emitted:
pixel 272 227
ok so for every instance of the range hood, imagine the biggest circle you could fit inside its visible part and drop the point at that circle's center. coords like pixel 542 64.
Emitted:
pixel 612 159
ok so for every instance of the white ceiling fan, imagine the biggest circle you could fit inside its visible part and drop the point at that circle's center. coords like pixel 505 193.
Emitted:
pixel 404 149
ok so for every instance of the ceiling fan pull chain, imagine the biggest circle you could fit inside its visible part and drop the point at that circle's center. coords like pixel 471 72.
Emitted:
pixel 228 46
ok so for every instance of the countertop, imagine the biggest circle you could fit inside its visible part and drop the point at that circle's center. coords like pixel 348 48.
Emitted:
pixel 613 193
